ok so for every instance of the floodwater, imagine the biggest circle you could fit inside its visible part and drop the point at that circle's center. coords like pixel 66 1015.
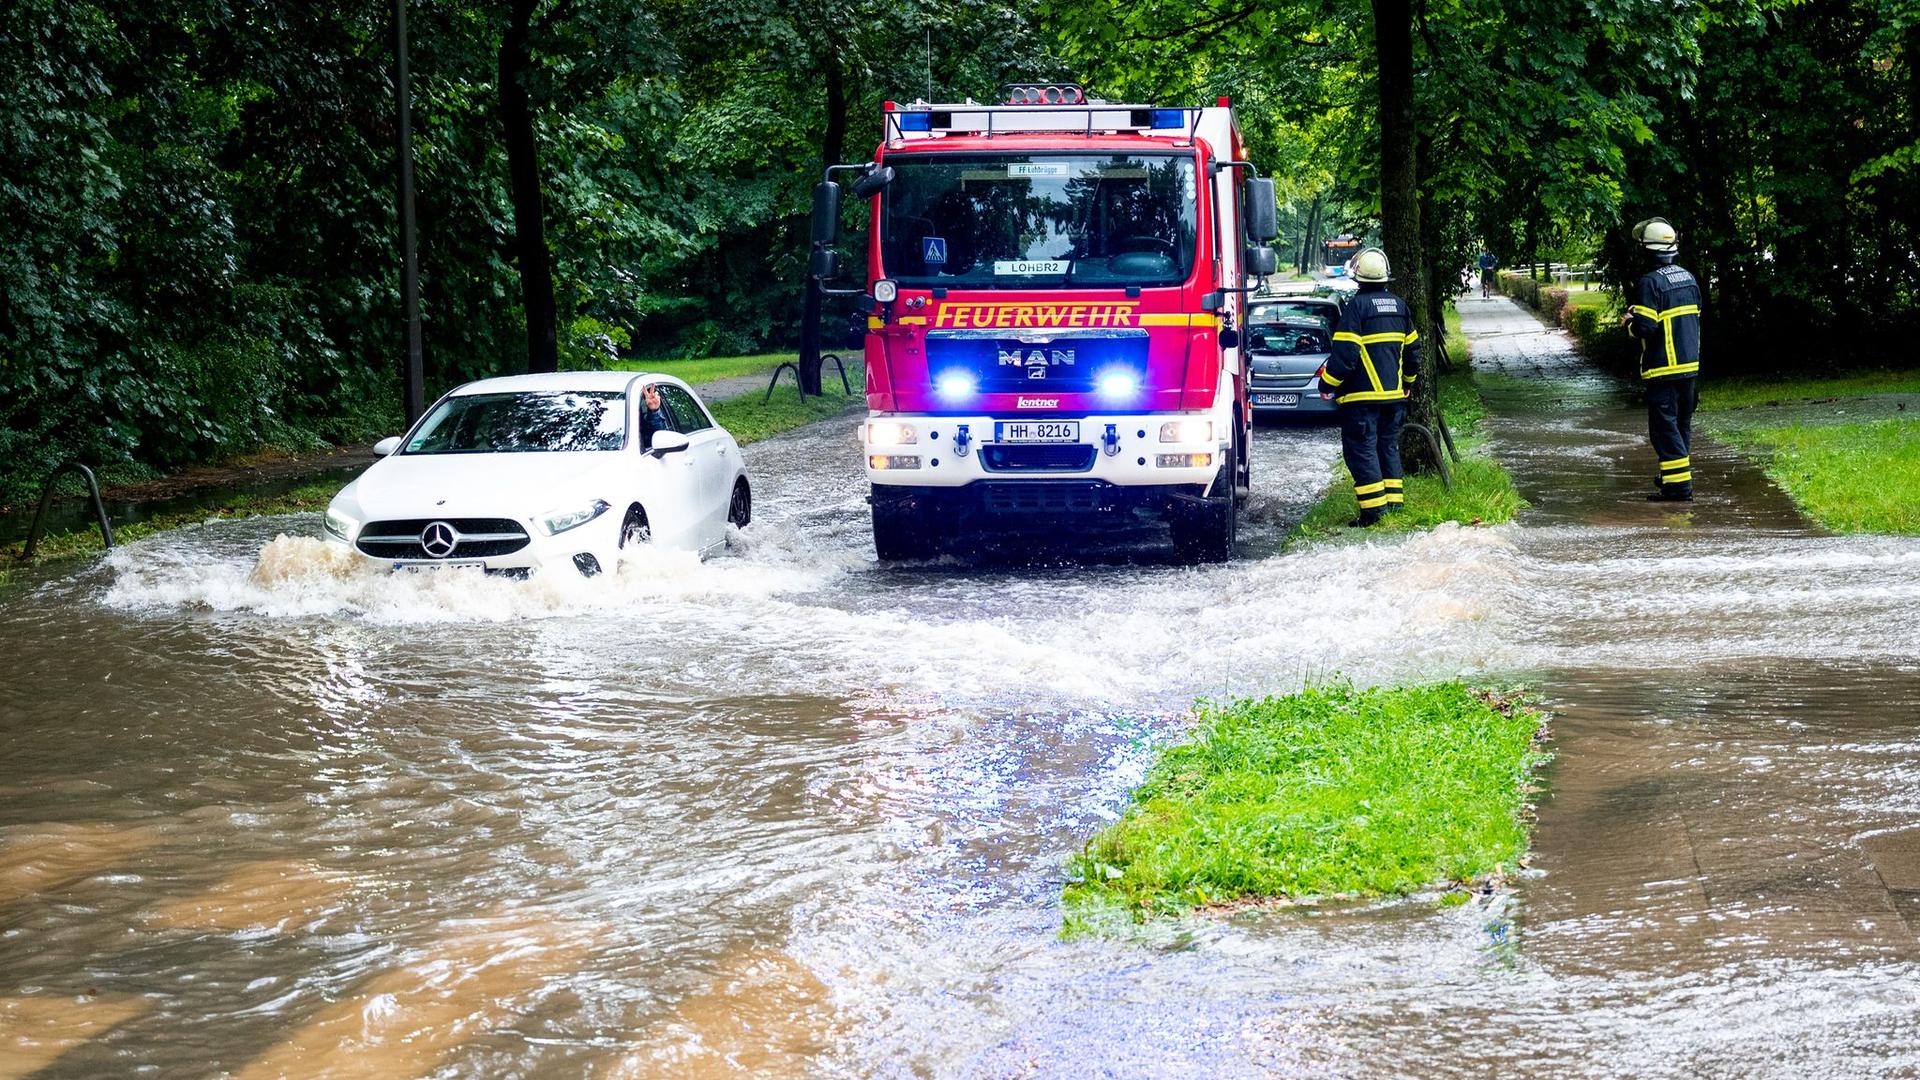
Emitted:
pixel 789 813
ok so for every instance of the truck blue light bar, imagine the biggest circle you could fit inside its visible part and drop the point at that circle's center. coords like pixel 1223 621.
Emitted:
pixel 915 121
pixel 1169 118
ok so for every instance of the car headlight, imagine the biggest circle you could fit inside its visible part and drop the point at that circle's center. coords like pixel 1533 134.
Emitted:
pixel 555 522
pixel 891 433
pixel 1187 431
pixel 340 525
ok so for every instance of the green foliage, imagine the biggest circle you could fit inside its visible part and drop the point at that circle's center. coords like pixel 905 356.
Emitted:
pixel 1332 791
pixel 750 419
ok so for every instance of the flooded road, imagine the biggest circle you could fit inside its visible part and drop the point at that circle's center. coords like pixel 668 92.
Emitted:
pixel 790 813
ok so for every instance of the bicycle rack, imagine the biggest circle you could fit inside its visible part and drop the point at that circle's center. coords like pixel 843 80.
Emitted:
pixel 788 365
pixel 46 497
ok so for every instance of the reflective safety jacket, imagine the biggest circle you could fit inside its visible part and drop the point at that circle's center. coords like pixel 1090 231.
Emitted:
pixel 1376 351
pixel 1667 321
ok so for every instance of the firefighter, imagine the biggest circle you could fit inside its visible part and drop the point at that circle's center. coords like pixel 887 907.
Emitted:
pixel 1666 319
pixel 1375 358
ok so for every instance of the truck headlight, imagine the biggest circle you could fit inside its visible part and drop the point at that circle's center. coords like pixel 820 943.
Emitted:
pixel 340 525
pixel 886 291
pixel 555 522
pixel 1187 431
pixel 891 433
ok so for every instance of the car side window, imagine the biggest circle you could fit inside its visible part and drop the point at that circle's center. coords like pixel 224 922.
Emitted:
pixel 688 416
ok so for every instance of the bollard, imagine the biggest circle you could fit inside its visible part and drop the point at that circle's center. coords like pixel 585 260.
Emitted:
pixel 46 497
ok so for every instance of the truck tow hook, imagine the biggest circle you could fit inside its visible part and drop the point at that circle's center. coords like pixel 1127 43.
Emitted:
pixel 1112 439
pixel 961 440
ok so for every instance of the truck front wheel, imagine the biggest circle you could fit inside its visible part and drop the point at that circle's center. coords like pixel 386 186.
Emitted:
pixel 900 531
pixel 1206 532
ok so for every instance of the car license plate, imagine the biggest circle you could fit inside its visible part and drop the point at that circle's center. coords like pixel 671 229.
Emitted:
pixel 1276 399
pixel 423 566
pixel 1037 431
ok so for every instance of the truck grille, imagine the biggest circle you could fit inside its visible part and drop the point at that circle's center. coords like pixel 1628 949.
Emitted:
pixel 474 538
pixel 1060 457
pixel 1045 498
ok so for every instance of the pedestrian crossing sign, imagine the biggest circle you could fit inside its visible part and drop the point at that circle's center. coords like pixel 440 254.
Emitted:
pixel 933 250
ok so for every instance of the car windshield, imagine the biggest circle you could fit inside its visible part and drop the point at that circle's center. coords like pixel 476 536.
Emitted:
pixel 1022 220
pixel 523 422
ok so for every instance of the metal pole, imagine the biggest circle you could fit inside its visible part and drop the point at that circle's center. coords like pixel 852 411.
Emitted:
pixel 412 372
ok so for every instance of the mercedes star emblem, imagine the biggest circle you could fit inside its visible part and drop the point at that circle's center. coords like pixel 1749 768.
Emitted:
pixel 439 539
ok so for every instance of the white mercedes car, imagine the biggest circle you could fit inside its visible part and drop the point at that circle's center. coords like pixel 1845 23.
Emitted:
pixel 532 471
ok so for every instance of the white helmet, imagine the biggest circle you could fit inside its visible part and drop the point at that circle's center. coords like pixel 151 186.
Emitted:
pixel 1657 236
pixel 1371 266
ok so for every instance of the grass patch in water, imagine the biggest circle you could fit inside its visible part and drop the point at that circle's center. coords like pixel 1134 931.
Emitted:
pixel 1330 792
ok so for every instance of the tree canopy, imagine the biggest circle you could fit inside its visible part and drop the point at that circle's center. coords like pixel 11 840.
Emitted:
pixel 198 194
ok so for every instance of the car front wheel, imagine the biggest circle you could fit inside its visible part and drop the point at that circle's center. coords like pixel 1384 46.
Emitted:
pixel 634 531
pixel 740 508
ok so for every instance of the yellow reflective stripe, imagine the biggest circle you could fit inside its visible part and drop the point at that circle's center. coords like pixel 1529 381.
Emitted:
pixel 873 323
pixel 1377 339
pixel 1327 377
pixel 1396 497
pixel 1373 375
pixel 1371 504
pixel 1392 484
pixel 1411 379
pixel 1412 336
pixel 1370 489
pixel 1178 320
pixel 1676 312
pixel 1675 478
pixel 1373 395
pixel 1677 463
pixel 1671 369
pixel 1344 335
pixel 913 320
pixel 1642 309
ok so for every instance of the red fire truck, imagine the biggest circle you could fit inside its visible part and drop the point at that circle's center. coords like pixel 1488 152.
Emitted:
pixel 1057 287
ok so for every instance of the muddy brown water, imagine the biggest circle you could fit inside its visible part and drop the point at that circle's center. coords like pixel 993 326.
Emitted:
pixel 790 813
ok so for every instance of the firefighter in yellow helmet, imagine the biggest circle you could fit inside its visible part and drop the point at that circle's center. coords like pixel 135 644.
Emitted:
pixel 1665 317
pixel 1375 358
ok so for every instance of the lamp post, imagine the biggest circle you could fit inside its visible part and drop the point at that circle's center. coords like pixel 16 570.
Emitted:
pixel 412 377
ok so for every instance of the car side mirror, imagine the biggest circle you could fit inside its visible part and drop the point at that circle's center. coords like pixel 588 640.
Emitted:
pixel 386 446
pixel 667 442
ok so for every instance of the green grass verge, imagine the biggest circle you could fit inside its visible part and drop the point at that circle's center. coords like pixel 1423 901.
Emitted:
pixel 1739 393
pixel 1851 478
pixel 750 420
pixel 1853 467
pixel 710 368
pixel 1332 791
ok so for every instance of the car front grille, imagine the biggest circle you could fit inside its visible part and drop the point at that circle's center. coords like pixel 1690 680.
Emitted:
pixel 475 538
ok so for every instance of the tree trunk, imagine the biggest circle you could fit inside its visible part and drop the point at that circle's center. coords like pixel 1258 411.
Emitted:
pixel 523 178
pixel 1400 203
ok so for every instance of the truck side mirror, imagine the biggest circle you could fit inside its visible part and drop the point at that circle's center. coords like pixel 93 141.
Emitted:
pixel 825 264
pixel 1261 261
pixel 826 212
pixel 1263 210
pixel 872 181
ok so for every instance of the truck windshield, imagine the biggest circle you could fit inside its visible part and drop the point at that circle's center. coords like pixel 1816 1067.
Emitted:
pixel 1039 220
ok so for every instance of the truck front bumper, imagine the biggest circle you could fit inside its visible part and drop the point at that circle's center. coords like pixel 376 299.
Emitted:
pixel 1121 451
